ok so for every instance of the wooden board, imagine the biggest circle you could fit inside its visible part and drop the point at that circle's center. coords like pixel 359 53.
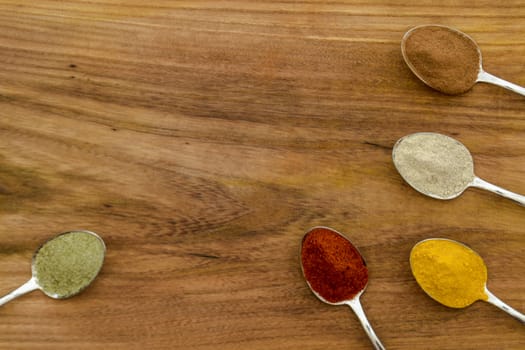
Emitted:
pixel 201 139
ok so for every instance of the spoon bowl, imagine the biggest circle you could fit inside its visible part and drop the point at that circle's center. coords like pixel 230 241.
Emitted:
pixel 441 67
pixel 331 285
pixel 453 274
pixel 53 276
pixel 440 167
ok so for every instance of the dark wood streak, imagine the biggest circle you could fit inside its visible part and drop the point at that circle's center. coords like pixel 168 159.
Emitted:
pixel 206 256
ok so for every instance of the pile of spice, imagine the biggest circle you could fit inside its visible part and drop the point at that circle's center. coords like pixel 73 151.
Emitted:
pixel 68 263
pixel 449 272
pixel 445 59
pixel 434 164
pixel 333 267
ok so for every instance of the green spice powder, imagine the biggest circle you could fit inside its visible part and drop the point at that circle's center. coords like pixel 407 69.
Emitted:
pixel 68 263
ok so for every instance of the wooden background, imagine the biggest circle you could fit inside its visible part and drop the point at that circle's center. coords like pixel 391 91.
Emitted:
pixel 201 139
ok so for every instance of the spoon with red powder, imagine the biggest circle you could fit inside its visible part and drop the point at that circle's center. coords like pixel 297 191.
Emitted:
pixel 336 272
pixel 447 60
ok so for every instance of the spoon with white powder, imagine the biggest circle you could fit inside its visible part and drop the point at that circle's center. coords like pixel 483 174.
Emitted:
pixel 440 167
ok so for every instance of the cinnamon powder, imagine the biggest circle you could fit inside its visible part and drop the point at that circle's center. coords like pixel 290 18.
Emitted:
pixel 445 59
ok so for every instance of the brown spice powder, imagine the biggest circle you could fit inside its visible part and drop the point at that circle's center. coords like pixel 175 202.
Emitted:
pixel 445 59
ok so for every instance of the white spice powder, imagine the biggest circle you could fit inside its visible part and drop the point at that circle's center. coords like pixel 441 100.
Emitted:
pixel 434 164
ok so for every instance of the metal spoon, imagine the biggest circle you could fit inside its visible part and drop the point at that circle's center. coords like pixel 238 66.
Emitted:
pixel 420 273
pixel 34 284
pixel 482 76
pixel 354 303
pixel 440 167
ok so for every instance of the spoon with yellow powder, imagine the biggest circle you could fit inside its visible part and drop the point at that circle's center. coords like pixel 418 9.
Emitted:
pixel 453 274
pixel 64 265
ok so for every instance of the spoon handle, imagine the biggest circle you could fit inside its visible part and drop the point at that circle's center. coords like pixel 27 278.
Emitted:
pixel 360 313
pixel 485 77
pixel 479 183
pixel 494 300
pixel 27 287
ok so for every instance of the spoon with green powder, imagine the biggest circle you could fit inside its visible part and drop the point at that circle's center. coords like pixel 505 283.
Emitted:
pixel 64 265
pixel 447 60
pixel 440 167
pixel 453 274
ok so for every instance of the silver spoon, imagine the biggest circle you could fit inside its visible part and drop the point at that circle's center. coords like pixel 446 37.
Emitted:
pixel 34 283
pixel 440 167
pixel 457 267
pixel 353 302
pixel 481 77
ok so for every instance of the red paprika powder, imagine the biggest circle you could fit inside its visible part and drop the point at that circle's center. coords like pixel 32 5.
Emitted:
pixel 333 267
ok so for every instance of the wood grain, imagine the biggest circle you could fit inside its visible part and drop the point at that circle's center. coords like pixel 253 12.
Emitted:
pixel 201 139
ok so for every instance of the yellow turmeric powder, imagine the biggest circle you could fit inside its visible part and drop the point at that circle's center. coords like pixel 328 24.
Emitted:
pixel 449 272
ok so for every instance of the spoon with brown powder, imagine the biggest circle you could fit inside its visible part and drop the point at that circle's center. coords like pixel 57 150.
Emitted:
pixel 64 265
pixel 440 167
pixel 447 60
